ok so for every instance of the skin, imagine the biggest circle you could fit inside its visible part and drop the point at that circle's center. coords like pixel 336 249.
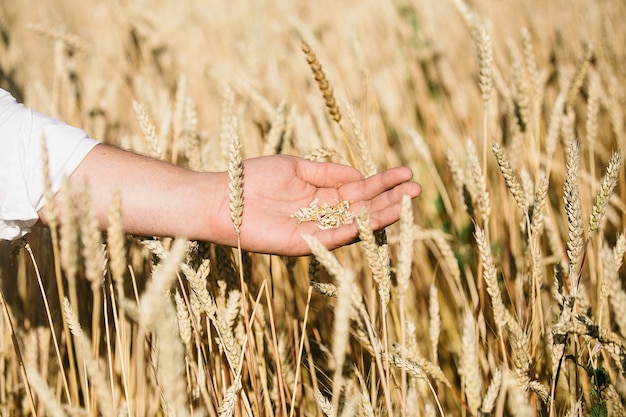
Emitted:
pixel 161 199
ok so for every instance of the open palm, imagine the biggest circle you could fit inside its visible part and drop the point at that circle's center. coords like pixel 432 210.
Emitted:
pixel 275 187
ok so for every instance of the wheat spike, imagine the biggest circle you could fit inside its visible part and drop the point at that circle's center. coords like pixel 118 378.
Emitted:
pixel 512 181
pixel 485 62
pixel 226 121
pixel 44 394
pixel 489 400
pixel 434 327
pixel 91 241
pixel 579 78
pixel 539 205
pixel 325 405
pixel 184 320
pixel 615 403
pixel 469 363
pixel 370 248
pixel 149 130
pixel 319 154
pixel 521 96
pixel 491 279
pixel 405 258
pixel 322 82
pixel 198 282
pixel 235 175
pixel 323 255
pixel 617 295
pixel 478 184
pixel 416 365
pixel 458 179
pixel 368 166
pixel 606 190
pixel 530 63
pixel 554 128
pixel 573 208
pixel 227 407
pixel 170 371
pixel 68 243
pixel 593 108
pixel 69 39
pixel 116 242
pixel 325 288
pixel 277 131
pixel 92 364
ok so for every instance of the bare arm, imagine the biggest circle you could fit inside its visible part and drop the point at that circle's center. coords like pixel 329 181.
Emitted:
pixel 162 199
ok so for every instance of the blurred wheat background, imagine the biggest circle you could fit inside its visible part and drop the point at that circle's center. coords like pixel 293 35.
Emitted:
pixel 500 292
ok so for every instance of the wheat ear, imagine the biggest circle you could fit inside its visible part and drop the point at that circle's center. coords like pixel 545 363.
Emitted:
pixel 606 190
pixel 343 307
pixel 434 327
pixel 157 312
pixel 512 181
pixel 91 363
pixel 227 407
pixel 327 93
pixel 149 130
pixel 322 82
pixel 573 209
pixel 116 243
pixel 368 167
pixel 44 394
pixel 478 184
pixel 380 271
pixel 235 174
pixel 489 400
pixel 472 380
pixel 490 276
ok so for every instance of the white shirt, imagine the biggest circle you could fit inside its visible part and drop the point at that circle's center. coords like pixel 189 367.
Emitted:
pixel 21 174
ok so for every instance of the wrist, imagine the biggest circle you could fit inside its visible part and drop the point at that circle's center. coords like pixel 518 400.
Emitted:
pixel 211 211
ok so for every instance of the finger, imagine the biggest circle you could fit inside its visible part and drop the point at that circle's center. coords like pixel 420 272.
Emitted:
pixel 393 196
pixel 334 238
pixel 326 174
pixel 373 186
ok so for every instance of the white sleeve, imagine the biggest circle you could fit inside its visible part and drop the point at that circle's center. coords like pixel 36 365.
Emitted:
pixel 21 174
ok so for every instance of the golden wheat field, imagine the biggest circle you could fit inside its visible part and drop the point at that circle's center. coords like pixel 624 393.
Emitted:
pixel 501 290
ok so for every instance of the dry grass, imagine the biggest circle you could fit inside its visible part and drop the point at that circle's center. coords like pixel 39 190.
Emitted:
pixel 499 293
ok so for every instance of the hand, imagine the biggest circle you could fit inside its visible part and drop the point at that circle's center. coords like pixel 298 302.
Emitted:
pixel 161 199
pixel 275 187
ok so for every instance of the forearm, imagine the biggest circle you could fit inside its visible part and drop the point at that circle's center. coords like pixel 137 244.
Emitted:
pixel 158 198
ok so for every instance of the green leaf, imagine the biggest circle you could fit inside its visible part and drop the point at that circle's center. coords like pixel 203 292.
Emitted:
pixel 598 410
